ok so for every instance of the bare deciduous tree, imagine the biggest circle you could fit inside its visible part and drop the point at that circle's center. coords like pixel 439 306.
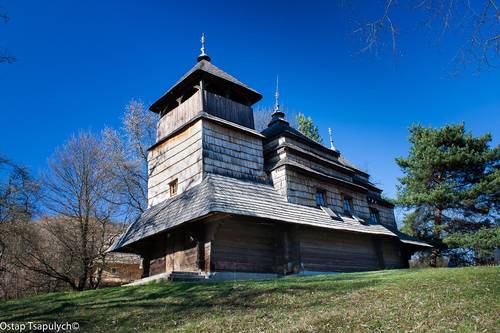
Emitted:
pixel 262 117
pixel 79 190
pixel 18 197
pixel 4 54
pixel 477 23
pixel 128 149
pixel 18 201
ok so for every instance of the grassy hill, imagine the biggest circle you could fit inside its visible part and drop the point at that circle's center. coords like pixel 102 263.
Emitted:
pixel 463 299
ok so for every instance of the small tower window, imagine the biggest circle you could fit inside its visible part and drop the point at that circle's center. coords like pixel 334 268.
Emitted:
pixel 374 216
pixel 114 270
pixel 320 198
pixel 348 205
pixel 173 187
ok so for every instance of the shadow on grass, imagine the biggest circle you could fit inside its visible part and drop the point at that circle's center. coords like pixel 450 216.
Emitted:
pixel 181 301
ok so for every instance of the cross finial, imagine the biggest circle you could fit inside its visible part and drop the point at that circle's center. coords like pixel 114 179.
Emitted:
pixel 332 147
pixel 277 96
pixel 203 55
pixel 202 44
pixel 278 115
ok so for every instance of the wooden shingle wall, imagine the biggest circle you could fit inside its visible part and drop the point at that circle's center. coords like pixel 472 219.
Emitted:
pixel 386 214
pixel 301 189
pixel 179 157
pixel 310 148
pixel 315 165
pixel 233 153
pixel 279 180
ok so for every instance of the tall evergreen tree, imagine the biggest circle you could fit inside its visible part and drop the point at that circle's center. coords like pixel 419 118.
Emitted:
pixel 306 126
pixel 452 184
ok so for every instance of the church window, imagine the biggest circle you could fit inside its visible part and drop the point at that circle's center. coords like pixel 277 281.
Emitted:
pixel 374 216
pixel 173 187
pixel 320 198
pixel 347 205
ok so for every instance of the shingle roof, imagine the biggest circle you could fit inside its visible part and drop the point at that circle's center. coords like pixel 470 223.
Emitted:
pixel 208 67
pixel 204 66
pixel 234 196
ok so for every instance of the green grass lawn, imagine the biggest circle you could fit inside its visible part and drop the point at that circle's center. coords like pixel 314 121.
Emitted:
pixel 443 300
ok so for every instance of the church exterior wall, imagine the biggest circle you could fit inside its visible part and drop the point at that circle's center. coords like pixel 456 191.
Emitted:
pixel 330 251
pixel 233 153
pixel 179 157
pixel 179 116
pixel 386 214
pixel 394 256
pixel 175 250
pixel 278 177
pixel 244 246
pixel 301 189
pixel 249 245
pixel 229 110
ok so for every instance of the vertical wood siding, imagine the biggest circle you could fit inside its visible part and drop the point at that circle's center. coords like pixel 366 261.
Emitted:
pixel 230 110
pixel 179 116
pixel 181 251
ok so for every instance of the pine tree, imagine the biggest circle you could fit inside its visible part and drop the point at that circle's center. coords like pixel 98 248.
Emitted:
pixel 451 183
pixel 306 126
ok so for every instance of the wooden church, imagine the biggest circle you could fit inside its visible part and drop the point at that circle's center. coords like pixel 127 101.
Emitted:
pixel 227 201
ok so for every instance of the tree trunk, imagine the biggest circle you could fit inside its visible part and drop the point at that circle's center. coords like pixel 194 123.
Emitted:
pixel 437 230
pixel 434 256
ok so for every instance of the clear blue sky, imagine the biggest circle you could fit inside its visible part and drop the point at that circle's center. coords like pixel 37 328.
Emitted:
pixel 79 63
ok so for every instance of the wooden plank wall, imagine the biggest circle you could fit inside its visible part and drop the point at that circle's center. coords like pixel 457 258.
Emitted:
pixel 180 158
pixel 230 110
pixel 243 246
pixel 393 253
pixel 157 255
pixel 214 104
pixel 231 152
pixel 179 116
pixel 182 251
pixel 333 251
pixel 176 250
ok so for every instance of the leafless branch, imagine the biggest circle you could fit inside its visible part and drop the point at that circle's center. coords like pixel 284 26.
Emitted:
pixel 476 23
